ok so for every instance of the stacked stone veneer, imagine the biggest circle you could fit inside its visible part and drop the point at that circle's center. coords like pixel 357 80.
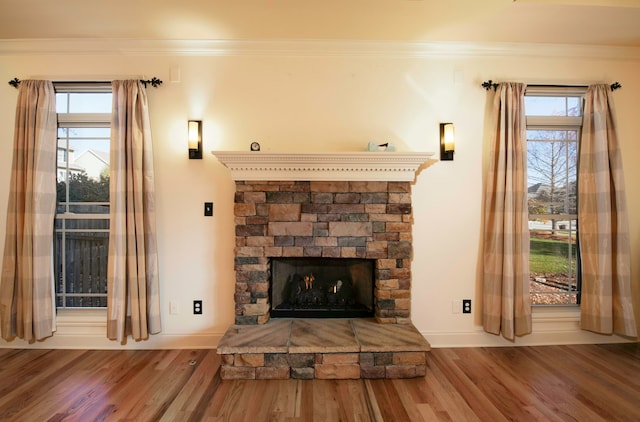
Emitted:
pixel 324 365
pixel 323 219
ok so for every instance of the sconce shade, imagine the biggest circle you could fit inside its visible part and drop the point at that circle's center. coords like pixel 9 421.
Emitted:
pixel 447 141
pixel 195 139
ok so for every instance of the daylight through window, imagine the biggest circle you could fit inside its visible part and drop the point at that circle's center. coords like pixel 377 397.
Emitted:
pixel 82 212
pixel 554 120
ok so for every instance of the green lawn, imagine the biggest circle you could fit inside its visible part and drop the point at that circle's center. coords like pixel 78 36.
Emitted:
pixel 550 256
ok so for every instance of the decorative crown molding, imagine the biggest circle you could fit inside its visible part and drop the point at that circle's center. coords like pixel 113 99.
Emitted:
pixel 309 48
pixel 353 166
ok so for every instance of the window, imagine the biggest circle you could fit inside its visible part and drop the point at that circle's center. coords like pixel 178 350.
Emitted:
pixel 554 120
pixel 82 211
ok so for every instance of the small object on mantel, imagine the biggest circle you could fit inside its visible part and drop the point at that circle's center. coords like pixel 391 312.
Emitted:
pixel 387 146
pixel 255 146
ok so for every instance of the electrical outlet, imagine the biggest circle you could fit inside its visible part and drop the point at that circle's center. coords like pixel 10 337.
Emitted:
pixel 208 209
pixel 197 307
pixel 173 308
pixel 466 306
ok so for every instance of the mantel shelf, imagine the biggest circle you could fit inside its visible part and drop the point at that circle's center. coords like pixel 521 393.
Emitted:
pixel 320 166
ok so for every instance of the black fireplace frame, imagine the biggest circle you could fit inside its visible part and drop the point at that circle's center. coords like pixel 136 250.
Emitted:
pixel 287 309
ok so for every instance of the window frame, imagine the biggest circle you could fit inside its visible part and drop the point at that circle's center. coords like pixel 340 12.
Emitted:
pixel 67 120
pixel 538 122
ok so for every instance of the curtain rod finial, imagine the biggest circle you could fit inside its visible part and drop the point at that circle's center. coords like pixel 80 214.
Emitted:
pixel 15 82
pixel 615 85
pixel 489 84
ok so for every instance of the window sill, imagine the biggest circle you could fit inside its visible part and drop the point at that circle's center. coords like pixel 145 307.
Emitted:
pixel 81 318
pixel 555 313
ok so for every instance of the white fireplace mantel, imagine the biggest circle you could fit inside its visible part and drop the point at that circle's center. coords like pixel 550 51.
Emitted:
pixel 320 166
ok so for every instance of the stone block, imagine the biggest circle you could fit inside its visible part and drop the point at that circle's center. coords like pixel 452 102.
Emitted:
pixel 366 359
pixel 255 309
pixel 346 371
pixel 243 210
pixel 403 303
pixel 398 227
pixel 312 251
pixel 284 212
pixel 303 373
pixel 343 209
pixel 354 217
pixel 260 241
pixel 254 197
pixel 248 359
pixel 273 373
pixel 227 359
pixel 409 358
pixel 383 358
pixel 347 198
pixel 314 208
pixel 398 208
pixel 246 320
pixel 302 360
pixel 348 252
pixel 326 241
pixel 385 217
pixel 322 198
pixel 330 252
pixel 283 240
pixel 301 197
pixel 303 228
pixel 375 208
pixel 399 198
pixel 249 251
pixel 352 241
pixel 293 251
pixel 279 197
pixel 263 319
pixel 275 251
pixel 237 373
pixel 372 372
pixel 375 198
pixel 350 229
pixel 400 250
pixel 276 359
pixel 340 358
pixel 399 187
pixel 303 241
pixel 390 284
pixel 309 217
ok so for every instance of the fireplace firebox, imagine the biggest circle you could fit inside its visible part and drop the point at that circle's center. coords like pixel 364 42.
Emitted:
pixel 322 287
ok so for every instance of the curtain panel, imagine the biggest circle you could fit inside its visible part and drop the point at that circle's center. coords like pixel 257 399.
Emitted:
pixel 506 303
pixel 606 302
pixel 133 301
pixel 27 306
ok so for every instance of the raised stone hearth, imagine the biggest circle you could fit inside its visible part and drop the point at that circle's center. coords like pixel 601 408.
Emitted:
pixel 323 349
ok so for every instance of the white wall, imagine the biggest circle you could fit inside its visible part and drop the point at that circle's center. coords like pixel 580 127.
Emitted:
pixel 316 101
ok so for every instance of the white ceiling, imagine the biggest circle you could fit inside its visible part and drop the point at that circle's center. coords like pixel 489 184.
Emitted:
pixel 590 22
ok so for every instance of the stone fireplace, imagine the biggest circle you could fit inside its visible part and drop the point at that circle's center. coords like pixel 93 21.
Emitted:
pixel 311 231
pixel 330 206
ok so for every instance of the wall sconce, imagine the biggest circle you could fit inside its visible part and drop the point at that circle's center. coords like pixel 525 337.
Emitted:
pixel 195 139
pixel 447 142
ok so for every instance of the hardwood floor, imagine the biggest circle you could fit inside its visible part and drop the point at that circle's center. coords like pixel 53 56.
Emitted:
pixel 581 383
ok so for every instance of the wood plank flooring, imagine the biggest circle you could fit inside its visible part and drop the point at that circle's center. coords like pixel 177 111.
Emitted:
pixel 550 383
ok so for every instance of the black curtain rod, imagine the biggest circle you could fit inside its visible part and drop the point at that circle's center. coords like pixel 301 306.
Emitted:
pixel 490 84
pixel 154 82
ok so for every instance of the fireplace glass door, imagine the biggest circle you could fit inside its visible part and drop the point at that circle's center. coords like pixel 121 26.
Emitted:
pixel 322 287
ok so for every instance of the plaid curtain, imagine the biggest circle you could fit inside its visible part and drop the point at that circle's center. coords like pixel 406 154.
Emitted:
pixel 506 305
pixel 606 304
pixel 27 307
pixel 133 300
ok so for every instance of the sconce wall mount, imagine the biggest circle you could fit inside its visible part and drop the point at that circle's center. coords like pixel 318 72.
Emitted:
pixel 195 139
pixel 447 141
